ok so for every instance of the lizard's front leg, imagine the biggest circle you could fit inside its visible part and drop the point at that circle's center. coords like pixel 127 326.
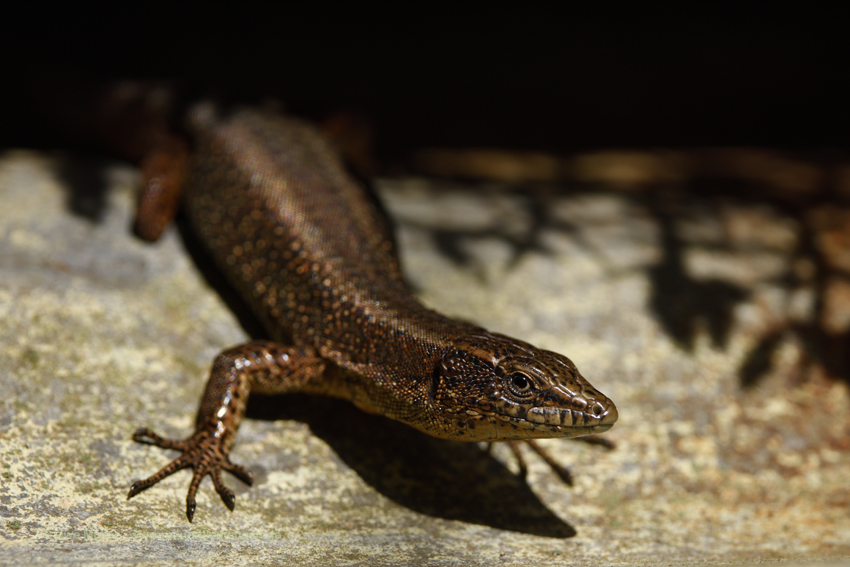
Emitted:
pixel 259 366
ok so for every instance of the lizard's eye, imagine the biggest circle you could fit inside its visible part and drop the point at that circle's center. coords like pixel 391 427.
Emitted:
pixel 519 383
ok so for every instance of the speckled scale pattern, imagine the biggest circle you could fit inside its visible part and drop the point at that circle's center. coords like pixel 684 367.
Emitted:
pixel 297 238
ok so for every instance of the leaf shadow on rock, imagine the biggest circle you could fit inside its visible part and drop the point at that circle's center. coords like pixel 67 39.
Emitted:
pixel 683 304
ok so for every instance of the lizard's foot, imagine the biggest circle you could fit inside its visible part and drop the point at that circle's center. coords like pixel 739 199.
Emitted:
pixel 563 472
pixel 204 453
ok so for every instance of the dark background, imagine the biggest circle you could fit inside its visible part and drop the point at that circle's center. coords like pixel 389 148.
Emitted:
pixel 457 75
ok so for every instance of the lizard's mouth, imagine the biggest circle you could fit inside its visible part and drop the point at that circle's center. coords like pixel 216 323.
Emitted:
pixel 515 422
pixel 582 418
pixel 562 422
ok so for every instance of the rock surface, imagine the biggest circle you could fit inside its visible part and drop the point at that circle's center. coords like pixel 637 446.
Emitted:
pixel 732 444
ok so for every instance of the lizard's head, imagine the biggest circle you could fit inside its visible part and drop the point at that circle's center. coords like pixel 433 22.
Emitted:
pixel 492 387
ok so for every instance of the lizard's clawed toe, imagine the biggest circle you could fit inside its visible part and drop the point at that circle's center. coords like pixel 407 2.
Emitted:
pixel 204 453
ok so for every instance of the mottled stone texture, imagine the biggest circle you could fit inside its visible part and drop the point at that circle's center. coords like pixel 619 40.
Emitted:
pixel 717 321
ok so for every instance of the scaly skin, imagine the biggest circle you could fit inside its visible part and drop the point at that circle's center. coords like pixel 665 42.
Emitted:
pixel 314 257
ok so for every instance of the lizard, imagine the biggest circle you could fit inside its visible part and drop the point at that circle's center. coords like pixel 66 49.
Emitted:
pixel 314 256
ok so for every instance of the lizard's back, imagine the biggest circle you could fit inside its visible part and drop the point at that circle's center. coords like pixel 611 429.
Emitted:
pixel 306 245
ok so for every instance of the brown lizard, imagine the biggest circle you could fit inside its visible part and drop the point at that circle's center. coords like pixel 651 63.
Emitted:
pixel 315 258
